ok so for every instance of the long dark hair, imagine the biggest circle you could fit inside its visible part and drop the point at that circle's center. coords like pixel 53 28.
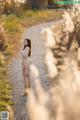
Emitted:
pixel 28 45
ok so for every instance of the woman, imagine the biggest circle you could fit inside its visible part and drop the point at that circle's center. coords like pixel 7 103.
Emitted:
pixel 26 53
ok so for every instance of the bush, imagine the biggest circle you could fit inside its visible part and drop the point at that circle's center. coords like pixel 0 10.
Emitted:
pixel 12 23
pixel 5 88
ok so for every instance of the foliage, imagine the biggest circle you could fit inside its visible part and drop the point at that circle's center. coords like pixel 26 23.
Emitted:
pixel 8 7
pixel 5 87
pixel 5 90
pixel 12 23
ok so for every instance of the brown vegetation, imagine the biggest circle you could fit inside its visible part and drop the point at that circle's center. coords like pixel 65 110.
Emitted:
pixel 63 55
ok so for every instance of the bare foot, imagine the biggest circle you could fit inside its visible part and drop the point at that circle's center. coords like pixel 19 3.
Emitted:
pixel 26 92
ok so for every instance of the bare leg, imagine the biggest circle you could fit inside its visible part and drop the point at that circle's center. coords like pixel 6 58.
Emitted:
pixel 26 81
pixel 26 76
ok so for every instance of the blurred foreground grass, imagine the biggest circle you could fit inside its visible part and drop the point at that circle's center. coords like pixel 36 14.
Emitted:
pixel 5 87
pixel 15 25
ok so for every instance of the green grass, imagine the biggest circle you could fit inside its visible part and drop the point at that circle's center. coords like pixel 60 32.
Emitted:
pixel 5 88
pixel 30 18
pixel 12 23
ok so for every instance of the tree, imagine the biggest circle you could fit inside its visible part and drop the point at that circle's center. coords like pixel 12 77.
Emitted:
pixel 39 4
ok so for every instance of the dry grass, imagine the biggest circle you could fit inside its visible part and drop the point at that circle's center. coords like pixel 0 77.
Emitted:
pixel 66 90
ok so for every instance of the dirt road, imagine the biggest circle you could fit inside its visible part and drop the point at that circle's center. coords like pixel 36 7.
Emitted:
pixel 37 58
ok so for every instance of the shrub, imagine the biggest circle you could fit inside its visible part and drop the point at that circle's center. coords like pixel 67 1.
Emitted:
pixel 5 87
pixel 12 23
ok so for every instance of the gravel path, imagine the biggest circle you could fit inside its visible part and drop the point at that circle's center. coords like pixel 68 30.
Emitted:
pixel 37 58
